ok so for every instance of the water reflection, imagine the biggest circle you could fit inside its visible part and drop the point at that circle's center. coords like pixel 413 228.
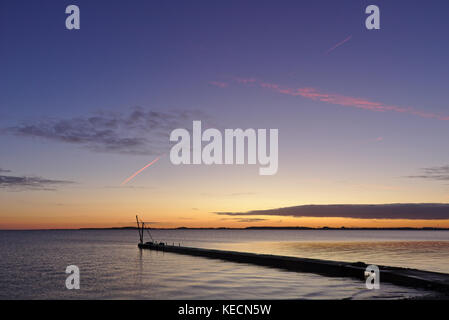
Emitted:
pixel 112 267
pixel 425 255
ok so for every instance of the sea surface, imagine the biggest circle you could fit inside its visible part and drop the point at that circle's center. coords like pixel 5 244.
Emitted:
pixel 33 264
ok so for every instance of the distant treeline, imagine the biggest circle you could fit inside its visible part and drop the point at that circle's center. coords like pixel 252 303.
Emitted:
pixel 266 228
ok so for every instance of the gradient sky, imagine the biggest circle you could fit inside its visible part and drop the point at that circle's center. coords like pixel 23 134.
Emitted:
pixel 363 115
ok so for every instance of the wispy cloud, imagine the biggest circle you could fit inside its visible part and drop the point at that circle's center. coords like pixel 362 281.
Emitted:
pixel 338 44
pixel 244 219
pixel 410 211
pixel 340 100
pixel 129 187
pixel 246 80
pixel 379 139
pixel 434 173
pixel 138 131
pixel 4 170
pixel 219 84
pixel 233 194
pixel 19 183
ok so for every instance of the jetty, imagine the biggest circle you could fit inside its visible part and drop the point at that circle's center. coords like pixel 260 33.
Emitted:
pixel 428 280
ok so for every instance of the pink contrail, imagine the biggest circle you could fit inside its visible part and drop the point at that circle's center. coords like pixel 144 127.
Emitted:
pixel 219 84
pixel 139 171
pixel 346 101
pixel 338 44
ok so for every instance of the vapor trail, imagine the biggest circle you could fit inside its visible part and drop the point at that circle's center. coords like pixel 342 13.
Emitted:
pixel 338 44
pixel 139 171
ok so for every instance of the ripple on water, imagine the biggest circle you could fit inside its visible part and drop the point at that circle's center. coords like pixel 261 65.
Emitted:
pixel 33 267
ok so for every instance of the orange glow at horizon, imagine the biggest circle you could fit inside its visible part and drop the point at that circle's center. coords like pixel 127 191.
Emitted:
pixel 203 222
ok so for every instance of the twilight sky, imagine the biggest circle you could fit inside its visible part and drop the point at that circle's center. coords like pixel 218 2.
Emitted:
pixel 363 115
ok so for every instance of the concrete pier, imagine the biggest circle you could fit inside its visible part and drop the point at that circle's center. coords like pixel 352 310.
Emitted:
pixel 399 276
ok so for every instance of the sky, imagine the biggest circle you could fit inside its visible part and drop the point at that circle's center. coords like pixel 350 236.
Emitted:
pixel 362 114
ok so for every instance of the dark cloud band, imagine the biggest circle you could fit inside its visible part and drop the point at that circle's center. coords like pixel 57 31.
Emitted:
pixel 434 173
pixel 137 132
pixel 413 211
pixel 30 183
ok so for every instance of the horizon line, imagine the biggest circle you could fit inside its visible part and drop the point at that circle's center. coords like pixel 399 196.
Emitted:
pixel 239 228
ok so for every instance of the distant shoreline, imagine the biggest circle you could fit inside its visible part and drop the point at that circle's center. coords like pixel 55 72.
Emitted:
pixel 246 228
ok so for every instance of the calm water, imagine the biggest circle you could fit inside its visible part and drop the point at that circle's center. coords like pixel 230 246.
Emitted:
pixel 33 263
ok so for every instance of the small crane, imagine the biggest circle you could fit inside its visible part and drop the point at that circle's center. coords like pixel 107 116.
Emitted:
pixel 140 228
